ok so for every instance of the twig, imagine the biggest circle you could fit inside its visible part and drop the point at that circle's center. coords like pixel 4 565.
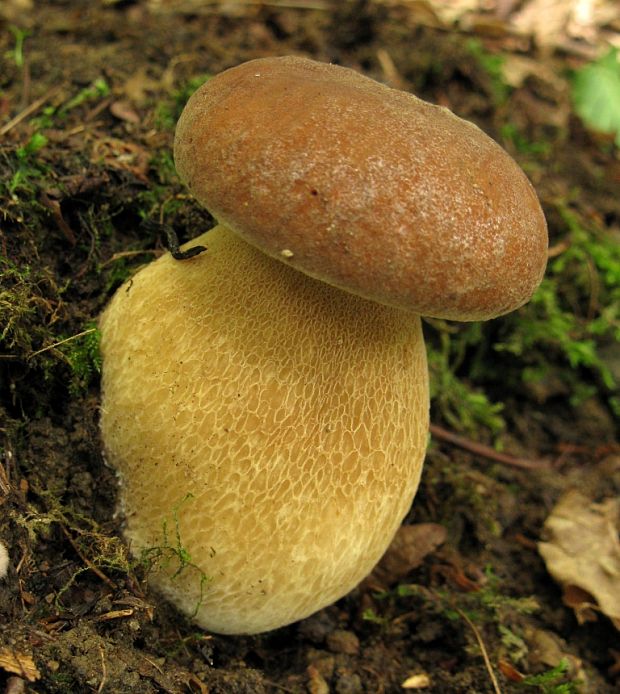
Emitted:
pixel 129 254
pixel 218 6
pixel 87 561
pixel 172 239
pixel 485 654
pixel 115 614
pixel 61 342
pixel 282 4
pixel 390 71
pixel 28 111
pixel 104 671
pixel 558 248
pixel 486 451
pixel 5 484
pixel 281 687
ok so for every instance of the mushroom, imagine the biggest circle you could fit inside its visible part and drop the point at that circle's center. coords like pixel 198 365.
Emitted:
pixel 266 402
pixel 4 560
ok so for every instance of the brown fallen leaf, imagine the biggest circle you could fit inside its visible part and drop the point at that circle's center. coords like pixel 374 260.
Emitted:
pixel 17 11
pixel 138 86
pixel 316 681
pixel 582 553
pixel 552 21
pixel 548 650
pixel 124 111
pixel 419 681
pixel 509 671
pixel 411 544
pixel 581 602
pixel 119 154
pixel 516 69
pixel 614 668
pixel 20 664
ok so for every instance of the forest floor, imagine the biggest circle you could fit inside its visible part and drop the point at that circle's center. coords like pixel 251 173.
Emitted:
pixel 89 96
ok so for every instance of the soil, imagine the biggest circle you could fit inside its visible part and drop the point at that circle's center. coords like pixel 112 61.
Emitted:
pixel 105 82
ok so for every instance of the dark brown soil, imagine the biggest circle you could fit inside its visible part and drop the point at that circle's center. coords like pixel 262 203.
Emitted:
pixel 75 611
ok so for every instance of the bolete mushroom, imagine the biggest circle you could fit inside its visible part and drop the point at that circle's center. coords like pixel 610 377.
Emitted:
pixel 266 402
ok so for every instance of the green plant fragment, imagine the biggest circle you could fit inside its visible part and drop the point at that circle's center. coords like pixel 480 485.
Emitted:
pixel 596 94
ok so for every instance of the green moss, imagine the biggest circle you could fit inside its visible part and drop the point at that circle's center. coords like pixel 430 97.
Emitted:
pixel 23 175
pixel 96 91
pixel 84 358
pixel 553 681
pixel 463 406
pixel 492 64
pixel 561 333
pixel 167 112
pixel 62 683
pixel 98 549
pixel 172 554
pixel 29 303
pixel 487 609
pixel 520 143
pixel 574 313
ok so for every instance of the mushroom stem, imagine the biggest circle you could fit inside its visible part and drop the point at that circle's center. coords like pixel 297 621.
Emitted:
pixel 299 415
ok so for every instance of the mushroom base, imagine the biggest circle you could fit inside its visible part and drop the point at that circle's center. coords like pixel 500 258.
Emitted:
pixel 264 424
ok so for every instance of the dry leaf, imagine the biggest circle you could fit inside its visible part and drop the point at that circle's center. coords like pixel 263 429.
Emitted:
pixel 583 554
pixel 450 11
pixel 123 111
pixel 517 68
pixel 420 681
pixel 138 85
pixel 17 10
pixel 509 671
pixel 119 154
pixel 411 544
pixel 581 602
pixel 316 683
pixel 19 664
pixel 552 20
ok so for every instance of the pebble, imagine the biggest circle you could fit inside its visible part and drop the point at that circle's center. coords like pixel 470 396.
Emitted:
pixel 342 641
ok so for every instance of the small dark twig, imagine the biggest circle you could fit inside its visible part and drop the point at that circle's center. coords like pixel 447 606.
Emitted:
pixel 485 451
pixel 483 650
pixel 172 240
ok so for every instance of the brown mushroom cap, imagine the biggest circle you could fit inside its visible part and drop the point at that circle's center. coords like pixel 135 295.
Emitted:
pixel 364 187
